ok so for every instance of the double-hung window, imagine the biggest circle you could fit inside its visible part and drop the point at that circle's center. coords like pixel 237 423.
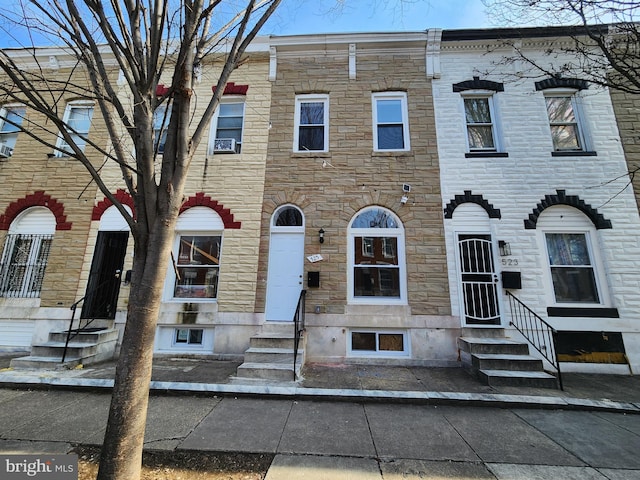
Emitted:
pixel 572 270
pixel 11 118
pixel 478 113
pixel 226 128
pixel 311 132
pixel 77 118
pixel 161 118
pixel 197 266
pixel 566 131
pixel 390 121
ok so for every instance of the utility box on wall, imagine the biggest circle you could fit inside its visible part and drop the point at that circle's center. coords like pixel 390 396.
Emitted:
pixel 313 279
pixel 512 280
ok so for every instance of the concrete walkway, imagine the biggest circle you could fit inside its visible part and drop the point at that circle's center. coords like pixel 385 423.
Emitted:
pixel 347 422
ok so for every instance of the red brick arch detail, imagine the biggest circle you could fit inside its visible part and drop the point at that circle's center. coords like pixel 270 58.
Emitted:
pixel 123 197
pixel 35 199
pixel 202 200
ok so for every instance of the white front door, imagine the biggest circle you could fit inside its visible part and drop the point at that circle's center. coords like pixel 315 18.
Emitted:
pixel 284 278
pixel 478 281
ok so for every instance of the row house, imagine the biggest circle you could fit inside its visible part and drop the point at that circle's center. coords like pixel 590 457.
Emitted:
pixel 412 192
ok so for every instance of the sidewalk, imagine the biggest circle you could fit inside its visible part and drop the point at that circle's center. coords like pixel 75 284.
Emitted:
pixel 351 382
pixel 345 422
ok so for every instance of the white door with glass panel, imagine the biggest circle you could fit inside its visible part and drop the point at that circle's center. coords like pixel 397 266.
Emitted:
pixel 286 256
pixel 478 280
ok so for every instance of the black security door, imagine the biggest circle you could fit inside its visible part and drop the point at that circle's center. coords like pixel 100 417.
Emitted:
pixel 104 279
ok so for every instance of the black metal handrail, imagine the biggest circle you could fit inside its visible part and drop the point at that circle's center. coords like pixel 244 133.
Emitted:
pixel 298 325
pixel 537 332
pixel 73 309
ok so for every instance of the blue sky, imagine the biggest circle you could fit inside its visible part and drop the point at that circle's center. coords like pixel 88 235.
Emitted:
pixel 327 16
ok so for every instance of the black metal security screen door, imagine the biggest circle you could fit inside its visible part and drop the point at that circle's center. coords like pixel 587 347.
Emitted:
pixel 104 279
pixel 478 280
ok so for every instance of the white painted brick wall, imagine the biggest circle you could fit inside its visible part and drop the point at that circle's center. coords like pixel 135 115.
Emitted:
pixel 517 183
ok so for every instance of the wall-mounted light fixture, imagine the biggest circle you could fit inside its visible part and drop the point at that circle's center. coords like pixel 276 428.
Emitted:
pixel 321 235
pixel 505 248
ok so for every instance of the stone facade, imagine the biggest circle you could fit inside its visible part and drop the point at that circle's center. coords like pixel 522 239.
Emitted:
pixel 331 187
pixel 525 181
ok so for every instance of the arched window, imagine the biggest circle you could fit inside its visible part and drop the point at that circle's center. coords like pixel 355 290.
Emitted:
pixel 575 271
pixel 288 216
pixel 376 258
pixel 196 255
pixel 26 251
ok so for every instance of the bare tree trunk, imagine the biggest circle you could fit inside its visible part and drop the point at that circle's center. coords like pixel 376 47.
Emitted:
pixel 121 455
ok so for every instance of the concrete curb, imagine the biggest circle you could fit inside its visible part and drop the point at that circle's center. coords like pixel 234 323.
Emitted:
pixel 347 395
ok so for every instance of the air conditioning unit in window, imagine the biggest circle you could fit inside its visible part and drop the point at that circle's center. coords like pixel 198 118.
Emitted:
pixel 224 145
pixel 5 151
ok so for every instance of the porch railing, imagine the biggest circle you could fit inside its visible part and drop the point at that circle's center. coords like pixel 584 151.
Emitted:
pixel 298 325
pixel 537 332
pixel 71 333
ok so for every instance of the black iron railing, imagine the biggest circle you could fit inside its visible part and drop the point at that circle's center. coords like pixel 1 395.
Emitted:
pixel 537 332
pixel 298 325
pixel 71 333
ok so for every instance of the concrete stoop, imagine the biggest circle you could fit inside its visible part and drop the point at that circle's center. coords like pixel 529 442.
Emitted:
pixel 269 358
pixel 500 361
pixel 86 347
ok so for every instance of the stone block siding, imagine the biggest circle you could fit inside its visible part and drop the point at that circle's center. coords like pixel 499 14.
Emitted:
pixel 66 181
pixel 517 183
pixel 627 110
pixel 357 177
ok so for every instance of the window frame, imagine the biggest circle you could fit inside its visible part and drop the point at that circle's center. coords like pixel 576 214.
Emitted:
pixel 188 224
pixel 311 98
pixel 372 233
pixel 214 124
pixel 493 117
pixel 582 136
pixel 381 96
pixel 12 136
pixel 568 220
pixel 406 352
pixel 61 143
pixel 161 120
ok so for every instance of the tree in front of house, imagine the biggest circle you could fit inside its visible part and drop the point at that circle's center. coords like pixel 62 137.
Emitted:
pixel 136 58
pixel 603 45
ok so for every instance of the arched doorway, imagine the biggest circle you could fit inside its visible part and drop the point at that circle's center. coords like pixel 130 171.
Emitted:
pixel 286 257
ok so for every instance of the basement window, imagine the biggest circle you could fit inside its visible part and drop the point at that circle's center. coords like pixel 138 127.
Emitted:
pixel 188 336
pixel 378 343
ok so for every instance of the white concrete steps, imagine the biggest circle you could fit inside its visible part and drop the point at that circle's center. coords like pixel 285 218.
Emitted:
pixel 269 358
pixel 86 347
pixel 500 361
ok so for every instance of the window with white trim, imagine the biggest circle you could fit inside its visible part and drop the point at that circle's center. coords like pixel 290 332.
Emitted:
pixel 11 118
pixel 161 118
pixel 226 127
pixel 574 267
pixel 481 132
pixel 378 343
pixel 196 256
pixel 377 271
pixel 564 113
pixel 188 336
pixel 311 133
pixel 390 121
pixel 77 118
pixel 572 271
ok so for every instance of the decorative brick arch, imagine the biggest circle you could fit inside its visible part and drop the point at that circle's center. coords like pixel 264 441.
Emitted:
pixel 477 84
pixel 202 200
pixel 557 82
pixel 122 196
pixel 561 198
pixel 468 197
pixel 36 199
